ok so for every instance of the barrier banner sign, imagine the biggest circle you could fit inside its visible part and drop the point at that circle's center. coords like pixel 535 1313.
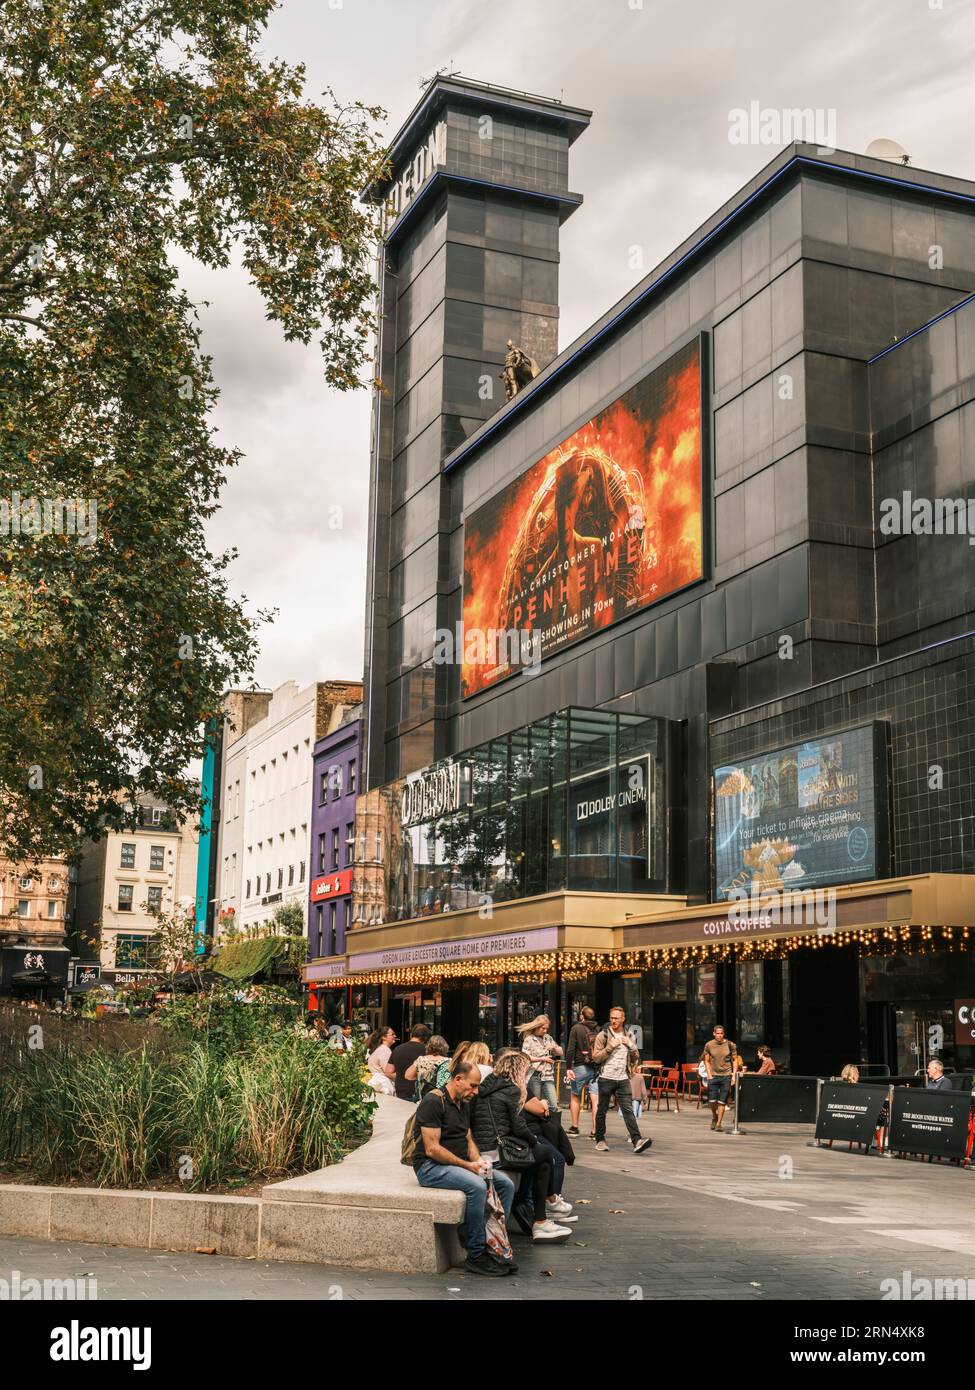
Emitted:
pixel 849 1112
pixel 786 1099
pixel 930 1122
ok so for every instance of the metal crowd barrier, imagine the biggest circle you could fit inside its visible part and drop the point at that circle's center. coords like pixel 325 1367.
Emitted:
pixel 791 1099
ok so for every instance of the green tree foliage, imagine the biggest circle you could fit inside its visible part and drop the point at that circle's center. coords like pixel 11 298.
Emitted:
pixel 130 129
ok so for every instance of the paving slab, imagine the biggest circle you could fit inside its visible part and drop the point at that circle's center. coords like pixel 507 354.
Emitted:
pixel 700 1217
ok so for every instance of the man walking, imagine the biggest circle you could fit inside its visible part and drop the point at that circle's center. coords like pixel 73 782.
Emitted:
pixel 581 1071
pixel 447 1157
pixel 719 1058
pixel 619 1059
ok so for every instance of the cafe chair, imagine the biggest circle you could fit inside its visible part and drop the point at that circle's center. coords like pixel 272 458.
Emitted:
pixel 691 1083
pixel 665 1084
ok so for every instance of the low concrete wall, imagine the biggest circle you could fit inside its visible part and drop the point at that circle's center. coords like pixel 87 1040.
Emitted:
pixel 368 1212
pixel 149 1220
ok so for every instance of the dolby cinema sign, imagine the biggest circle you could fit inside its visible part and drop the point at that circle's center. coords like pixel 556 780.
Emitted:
pixel 424 163
pixel 435 792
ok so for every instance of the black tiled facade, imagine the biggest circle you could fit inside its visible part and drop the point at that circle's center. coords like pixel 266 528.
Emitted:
pixel 804 286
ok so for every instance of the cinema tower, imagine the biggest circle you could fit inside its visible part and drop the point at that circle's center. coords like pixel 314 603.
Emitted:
pixel 478 189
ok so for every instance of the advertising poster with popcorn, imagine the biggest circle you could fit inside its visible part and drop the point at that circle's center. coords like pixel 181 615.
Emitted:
pixel 801 817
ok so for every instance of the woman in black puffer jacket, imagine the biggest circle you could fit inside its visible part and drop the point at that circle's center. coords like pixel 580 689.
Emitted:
pixel 496 1114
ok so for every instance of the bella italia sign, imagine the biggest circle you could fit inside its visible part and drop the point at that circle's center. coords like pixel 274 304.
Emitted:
pixel 414 176
pixel 434 792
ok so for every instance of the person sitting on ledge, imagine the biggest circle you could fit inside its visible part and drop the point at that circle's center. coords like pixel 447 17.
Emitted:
pixel 447 1157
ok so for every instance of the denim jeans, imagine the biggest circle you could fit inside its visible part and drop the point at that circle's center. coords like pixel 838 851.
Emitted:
pixel 474 1188
pixel 543 1090
pixel 624 1099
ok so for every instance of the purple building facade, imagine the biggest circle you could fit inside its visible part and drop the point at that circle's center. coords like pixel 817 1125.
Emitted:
pixel 335 781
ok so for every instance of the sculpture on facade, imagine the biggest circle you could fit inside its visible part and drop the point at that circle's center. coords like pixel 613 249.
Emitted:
pixel 519 370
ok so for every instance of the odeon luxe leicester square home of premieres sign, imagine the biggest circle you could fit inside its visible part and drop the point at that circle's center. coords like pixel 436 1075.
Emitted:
pixel 468 948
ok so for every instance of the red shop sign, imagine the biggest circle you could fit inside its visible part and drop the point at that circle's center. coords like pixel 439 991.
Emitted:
pixel 331 885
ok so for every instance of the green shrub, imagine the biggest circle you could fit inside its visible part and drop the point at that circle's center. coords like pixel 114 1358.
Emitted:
pixel 183 1105
pixel 217 1019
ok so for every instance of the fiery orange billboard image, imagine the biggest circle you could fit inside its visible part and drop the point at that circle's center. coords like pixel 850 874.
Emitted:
pixel 606 523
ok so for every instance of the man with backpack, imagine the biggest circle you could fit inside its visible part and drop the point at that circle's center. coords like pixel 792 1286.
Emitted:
pixel 581 1070
pixel 720 1058
pixel 617 1058
pixel 439 1144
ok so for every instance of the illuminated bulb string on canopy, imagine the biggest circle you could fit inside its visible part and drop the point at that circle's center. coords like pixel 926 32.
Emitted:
pixel 577 965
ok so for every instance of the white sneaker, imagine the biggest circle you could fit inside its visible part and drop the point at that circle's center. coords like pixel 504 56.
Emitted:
pixel 549 1232
pixel 560 1207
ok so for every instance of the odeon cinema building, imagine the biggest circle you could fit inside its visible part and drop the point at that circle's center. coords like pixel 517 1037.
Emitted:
pixel 669 656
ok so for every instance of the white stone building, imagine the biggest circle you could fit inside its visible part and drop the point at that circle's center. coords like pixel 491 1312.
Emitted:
pixel 263 854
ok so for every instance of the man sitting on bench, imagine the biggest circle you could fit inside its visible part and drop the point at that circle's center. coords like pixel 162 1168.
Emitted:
pixel 446 1156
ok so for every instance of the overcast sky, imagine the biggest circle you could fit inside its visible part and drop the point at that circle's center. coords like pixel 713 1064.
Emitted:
pixel 661 81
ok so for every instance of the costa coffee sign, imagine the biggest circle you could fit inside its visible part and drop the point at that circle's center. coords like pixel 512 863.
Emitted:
pixel 331 885
pixel 965 1022
pixel 434 792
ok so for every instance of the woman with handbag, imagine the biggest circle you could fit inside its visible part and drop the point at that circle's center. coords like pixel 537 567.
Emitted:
pixel 501 1135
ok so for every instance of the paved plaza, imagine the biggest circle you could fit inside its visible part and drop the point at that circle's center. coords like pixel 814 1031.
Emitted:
pixel 755 1217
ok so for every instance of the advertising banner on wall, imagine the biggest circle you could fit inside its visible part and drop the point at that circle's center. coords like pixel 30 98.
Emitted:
pixel 604 524
pixel 805 816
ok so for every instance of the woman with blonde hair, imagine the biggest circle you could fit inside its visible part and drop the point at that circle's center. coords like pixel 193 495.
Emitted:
pixel 541 1049
pixel 480 1054
pixel 496 1115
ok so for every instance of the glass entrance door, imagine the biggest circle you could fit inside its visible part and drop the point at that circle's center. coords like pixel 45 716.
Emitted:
pixel 923 1031
pixel 525 1002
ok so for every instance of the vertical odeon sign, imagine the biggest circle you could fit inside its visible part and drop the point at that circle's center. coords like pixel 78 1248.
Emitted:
pixel 404 189
pixel 432 793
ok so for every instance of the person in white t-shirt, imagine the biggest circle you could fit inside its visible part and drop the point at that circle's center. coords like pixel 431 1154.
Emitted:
pixel 379 1049
pixel 618 1058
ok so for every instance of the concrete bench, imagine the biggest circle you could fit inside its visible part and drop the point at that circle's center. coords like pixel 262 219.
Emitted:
pixel 368 1211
